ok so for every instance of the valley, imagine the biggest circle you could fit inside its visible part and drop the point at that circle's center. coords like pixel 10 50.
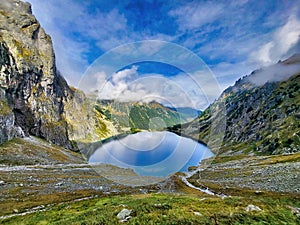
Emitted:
pixel 63 184
pixel 50 132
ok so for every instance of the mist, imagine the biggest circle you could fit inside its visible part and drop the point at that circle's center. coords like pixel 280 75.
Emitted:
pixel 277 72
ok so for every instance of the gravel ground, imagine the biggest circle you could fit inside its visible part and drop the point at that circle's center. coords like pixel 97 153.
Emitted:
pixel 259 173
pixel 21 187
pixel 62 176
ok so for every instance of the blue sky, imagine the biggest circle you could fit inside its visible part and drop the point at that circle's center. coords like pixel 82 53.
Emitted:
pixel 231 37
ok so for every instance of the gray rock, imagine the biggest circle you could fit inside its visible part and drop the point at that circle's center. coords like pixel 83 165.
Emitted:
pixel 197 214
pixel 124 215
pixel 251 208
pixel 295 211
pixel 59 184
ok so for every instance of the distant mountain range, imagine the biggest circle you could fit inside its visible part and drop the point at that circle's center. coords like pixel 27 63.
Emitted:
pixel 187 112
pixel 144 116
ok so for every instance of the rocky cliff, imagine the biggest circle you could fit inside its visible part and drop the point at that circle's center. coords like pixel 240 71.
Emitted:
pixel 262 112
pixel 35 98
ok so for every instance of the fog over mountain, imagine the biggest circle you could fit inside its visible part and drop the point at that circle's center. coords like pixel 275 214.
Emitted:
pixel 278 72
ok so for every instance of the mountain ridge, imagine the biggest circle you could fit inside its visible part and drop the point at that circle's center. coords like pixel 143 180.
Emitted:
pixel 36 100
pixel 261 118
pixel 139 115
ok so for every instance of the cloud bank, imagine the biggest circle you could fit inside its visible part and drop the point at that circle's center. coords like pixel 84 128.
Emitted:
pixel 283 40
pixel 277 72
pixel 127 85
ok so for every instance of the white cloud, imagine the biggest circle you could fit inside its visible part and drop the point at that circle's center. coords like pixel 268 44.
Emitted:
pixel 230 34
pixel 283 40
pixel 175 91
pixel 215 31
pixel 150 48
pixel 277 72
pixel 107 29
pixel 124 75
pixel 64 20
pixel 194 15
pixel 117 86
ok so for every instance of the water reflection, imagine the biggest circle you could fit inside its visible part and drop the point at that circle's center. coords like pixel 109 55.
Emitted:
pixel 152 153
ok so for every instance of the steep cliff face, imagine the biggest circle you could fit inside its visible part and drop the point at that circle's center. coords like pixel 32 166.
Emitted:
pixel 34 92
pixel 8 129
pixel 262 112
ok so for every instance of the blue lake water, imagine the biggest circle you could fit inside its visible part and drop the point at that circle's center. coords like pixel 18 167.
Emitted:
pixel 152 153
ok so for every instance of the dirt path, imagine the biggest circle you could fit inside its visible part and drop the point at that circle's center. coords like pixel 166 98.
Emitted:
pixel 207 191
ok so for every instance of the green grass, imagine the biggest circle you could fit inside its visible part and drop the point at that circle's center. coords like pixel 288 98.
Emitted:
pixel 273 159
pixel 20 151
pixel 165 209
pixel 4 108
pixel 139 116
pixel 223 159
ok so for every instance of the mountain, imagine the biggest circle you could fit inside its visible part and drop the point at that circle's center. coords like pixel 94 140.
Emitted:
pixel 259 114
pixel 36 100
pixel 136 115
pixel 262 112
pixel 34 97
pixel 187 113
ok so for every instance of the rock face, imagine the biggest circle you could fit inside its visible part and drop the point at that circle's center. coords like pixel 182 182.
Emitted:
pixel 262 112
pixel 36 98
pixel 8 130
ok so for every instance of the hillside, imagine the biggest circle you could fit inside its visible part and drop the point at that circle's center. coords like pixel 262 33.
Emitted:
pixel 262 112
pixel 187 112
pixel 135 115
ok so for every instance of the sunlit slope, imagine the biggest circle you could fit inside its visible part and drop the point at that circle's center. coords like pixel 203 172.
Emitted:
pixel 144 116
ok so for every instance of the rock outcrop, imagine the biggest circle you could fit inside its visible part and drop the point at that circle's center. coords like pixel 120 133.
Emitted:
pixel 262 112
pixel 36 99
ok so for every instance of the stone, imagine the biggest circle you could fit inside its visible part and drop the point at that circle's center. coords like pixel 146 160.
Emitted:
pixel 251 208
pixel 197 214
pixel 59 184
pixel 295 211
pixel 124 215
